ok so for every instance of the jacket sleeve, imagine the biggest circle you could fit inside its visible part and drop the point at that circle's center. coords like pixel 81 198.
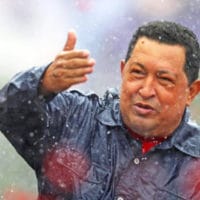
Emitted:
pixel 23 119
pixel 34 124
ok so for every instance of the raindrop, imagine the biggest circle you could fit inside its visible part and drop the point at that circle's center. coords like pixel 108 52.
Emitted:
pixel 130 19
pixel 29 102
pixel 97 151
pixel 59 160
pixel 120 198
pixel 21 140
pixel 41 97
pixel 22 117
pixel 56 143
pixel 43 170
pixel 108 132
pixel 110 97
pixel 7 131
pixel 144 158
pixel 72 148
pixel 41 151
pixel 72 130
pixel 62 185
pixel 114 38
pixel 156 162
pixel 76 3
pixel 194 55
pixel 31 134
pixel 106 40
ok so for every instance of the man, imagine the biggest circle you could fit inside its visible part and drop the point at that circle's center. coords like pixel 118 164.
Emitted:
pixel 139 146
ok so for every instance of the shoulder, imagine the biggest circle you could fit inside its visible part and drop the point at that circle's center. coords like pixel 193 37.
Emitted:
pixel 189 139
pixel 77 96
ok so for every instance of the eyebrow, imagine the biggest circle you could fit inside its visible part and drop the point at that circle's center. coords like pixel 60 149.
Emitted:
pixel 139 64
pixel 160 72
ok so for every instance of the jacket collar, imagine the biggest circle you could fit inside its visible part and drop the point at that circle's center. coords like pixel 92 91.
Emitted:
pixel 110 112
pixel 186 138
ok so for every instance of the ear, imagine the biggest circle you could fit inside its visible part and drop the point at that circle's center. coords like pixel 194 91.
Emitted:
pixel 122 65
pixel 193 91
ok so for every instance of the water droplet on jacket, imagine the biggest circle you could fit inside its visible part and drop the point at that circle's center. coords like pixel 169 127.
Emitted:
pixel 22 117
pixel 120 198
pixel 108 132
pixel 144 158
pixel 41 151
pixel 62 185
pixel 156 162
pixel 31 134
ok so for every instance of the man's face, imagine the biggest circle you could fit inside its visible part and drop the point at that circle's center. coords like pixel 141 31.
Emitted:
pixel 154 90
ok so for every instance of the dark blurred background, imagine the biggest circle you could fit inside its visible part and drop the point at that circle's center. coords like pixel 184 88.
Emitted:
pixel 33 32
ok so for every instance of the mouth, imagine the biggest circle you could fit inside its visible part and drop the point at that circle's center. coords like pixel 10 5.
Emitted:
pixel 144 109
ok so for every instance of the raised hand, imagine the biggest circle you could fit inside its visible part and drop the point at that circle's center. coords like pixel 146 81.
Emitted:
pixel 70 67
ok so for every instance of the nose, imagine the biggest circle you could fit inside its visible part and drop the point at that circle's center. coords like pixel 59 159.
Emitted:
pixel 147 89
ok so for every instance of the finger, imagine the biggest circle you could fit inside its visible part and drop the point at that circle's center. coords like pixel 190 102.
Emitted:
pixel 71 40
pixel 63 84
pixel 73 54
pixel 76 80
pixel 78 72
pixel 75 63
pixel 69 73
pixel 79 63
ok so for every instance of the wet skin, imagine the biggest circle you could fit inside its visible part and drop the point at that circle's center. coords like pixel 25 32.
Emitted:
pixel 155 89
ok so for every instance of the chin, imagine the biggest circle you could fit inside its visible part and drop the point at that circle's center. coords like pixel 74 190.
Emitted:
pixel 145 129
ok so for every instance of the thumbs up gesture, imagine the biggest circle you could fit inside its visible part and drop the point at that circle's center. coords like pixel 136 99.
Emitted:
pixel 70 67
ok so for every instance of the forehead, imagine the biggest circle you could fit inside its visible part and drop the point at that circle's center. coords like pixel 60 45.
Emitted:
pixel 159 53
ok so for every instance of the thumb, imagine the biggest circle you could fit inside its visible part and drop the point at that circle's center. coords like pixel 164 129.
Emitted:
pixel 71 40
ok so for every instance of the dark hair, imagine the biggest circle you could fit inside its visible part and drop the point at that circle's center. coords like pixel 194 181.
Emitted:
pixel 172 33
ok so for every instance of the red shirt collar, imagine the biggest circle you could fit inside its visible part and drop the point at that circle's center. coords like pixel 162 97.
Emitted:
pixel 147 143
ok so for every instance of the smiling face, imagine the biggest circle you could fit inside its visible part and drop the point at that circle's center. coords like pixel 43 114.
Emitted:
pixel 154 90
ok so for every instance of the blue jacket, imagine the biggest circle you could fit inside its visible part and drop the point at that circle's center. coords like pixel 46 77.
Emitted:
pixel 80 149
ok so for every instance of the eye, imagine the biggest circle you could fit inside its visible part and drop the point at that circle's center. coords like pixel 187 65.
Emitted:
pixel 167 81
pixel 137 72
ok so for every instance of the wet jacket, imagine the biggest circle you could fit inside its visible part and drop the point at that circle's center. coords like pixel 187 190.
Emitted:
pixel 80 149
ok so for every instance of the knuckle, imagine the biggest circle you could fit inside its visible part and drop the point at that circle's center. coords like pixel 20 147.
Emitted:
pixel 72 62
pixel 60 63
pixel 58 56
